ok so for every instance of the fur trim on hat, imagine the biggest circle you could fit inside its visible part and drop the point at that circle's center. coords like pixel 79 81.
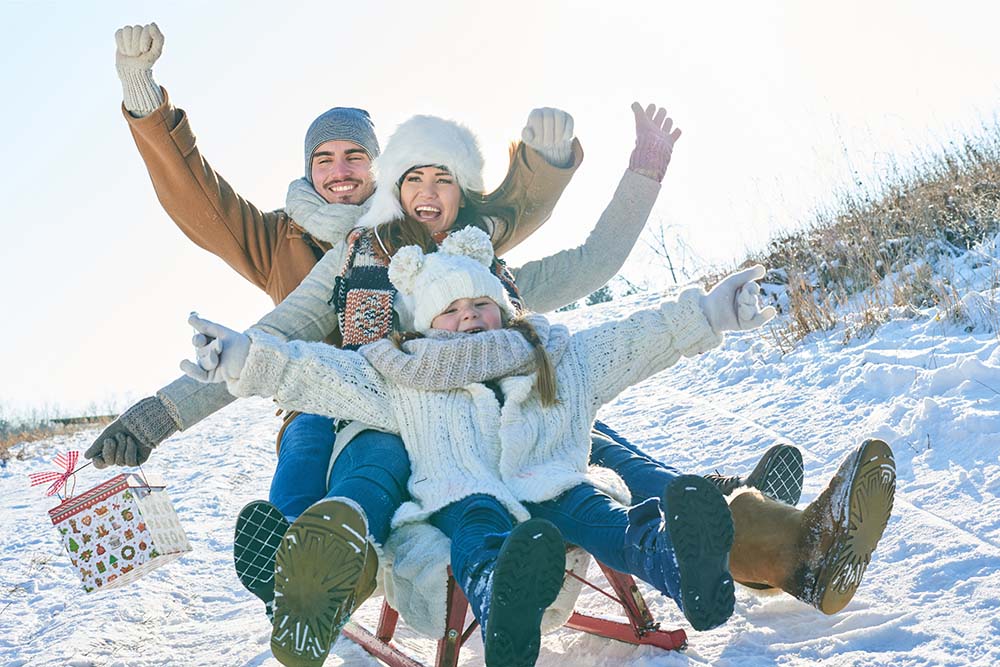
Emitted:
pixel 421 141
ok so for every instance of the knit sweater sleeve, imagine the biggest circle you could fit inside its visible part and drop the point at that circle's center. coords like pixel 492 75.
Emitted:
pixel 306 313
pixel 316 378
pixel 570 275
pixel 620 354
pixel 451 363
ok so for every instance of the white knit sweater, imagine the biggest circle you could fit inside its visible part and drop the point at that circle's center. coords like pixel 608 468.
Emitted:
pixel 463 442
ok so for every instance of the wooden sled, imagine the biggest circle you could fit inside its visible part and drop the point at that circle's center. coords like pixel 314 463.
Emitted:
pixel 641 628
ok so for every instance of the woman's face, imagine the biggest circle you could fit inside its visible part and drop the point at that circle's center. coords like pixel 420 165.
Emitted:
pixel 430 195
pixel 469 316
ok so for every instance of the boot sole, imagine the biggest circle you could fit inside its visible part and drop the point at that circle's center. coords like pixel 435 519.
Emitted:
pixel 782 475
pixel 259 529
pixel 861 519
pixel 701 531
pixel 317 569
pixel 527 579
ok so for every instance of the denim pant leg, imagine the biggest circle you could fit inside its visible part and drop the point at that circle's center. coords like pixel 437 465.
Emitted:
pixel 477 526
pixel 373 470
pixel 630 540
pixel 303 459
pixel 645 476
pixel 588 518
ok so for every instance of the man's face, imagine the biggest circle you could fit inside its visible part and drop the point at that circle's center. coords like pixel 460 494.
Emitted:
pixel 342 172
pixel 469 316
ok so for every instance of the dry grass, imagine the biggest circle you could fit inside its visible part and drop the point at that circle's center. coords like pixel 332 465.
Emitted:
pixel 944 207
pixel 19 430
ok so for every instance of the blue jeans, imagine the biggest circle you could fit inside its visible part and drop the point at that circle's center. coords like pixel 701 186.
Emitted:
pixel 645 476
pixel 477 526
pixel 372 470
pixel 618 536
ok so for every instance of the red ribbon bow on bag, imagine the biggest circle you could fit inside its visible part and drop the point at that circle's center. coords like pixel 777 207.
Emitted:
pixel 65 461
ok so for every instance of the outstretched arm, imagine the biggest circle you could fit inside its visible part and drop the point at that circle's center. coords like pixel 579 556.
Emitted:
pixel 310 377
pixel 620 354
pixel 569 275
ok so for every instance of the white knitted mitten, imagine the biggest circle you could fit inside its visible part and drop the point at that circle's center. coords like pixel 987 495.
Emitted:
pixel 732 305
pixel 139 46
pixel 654 141
pixel 550 132
pixel 221 352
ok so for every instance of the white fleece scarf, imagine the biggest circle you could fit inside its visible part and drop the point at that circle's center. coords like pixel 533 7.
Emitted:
pixel 327 222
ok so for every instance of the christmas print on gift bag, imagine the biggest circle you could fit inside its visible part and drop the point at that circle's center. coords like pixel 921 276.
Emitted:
pixel 119 530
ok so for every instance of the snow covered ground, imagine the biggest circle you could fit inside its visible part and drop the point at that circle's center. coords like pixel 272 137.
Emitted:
pixel 927 384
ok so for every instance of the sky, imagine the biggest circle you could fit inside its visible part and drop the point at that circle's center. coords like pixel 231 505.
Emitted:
pixel 782 105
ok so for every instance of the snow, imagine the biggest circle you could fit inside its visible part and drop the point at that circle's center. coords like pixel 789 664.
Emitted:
pixel 926 382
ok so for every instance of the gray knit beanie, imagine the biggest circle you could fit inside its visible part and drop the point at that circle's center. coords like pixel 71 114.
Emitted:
pixel 341 124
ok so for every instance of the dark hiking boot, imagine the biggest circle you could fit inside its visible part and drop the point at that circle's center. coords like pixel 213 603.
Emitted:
pixel 259 529
pixel 778 475
pixel 526 579
pixel 701 533
pixel 318 567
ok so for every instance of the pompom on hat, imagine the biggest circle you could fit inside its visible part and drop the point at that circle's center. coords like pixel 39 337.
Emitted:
pixel 460 269
pixel 418 142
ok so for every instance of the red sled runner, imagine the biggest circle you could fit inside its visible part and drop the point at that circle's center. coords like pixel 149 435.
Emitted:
pixel 641 628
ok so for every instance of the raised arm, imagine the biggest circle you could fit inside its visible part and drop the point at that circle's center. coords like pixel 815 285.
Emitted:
pixel 572 274
pixel 197 199
pixel 541 166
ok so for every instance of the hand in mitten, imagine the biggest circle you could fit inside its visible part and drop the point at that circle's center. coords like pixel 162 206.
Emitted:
pixel 138 47
pixel 732 305
pixel 221 352
pixel 654 141
pixel 550 132
pixel 130 439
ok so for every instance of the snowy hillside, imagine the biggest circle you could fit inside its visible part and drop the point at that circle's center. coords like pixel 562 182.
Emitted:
pixel 928 385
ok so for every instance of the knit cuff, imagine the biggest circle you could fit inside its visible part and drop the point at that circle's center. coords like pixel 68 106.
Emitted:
pixel 263 369
pixel 149 421
pixel 651 156
pixel 140 93
pixel 691 331
pixel 558 155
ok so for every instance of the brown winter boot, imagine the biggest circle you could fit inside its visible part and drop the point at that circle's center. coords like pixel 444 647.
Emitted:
pixel 818 554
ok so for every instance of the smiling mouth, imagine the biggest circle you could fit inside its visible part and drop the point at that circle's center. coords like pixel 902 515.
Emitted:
pixel 427 213
pixel 342 188
pixel 475 330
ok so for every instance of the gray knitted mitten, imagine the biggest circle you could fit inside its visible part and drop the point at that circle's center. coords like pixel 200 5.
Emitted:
pixel 138 47
pixel 129 440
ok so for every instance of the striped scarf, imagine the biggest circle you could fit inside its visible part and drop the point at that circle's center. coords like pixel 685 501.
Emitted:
pixel 364 297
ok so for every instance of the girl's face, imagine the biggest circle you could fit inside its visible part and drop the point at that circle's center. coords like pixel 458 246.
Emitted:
pixel 469 316
pixel 430 195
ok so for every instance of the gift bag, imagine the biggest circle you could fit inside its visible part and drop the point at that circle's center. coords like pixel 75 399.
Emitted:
pixel 119 530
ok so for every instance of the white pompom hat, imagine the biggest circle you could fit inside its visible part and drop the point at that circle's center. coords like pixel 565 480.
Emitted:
pixel 458 270
pixel 418 142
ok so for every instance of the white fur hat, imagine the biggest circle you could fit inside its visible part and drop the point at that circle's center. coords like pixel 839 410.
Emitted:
pixel 458 270
pixel 421 141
